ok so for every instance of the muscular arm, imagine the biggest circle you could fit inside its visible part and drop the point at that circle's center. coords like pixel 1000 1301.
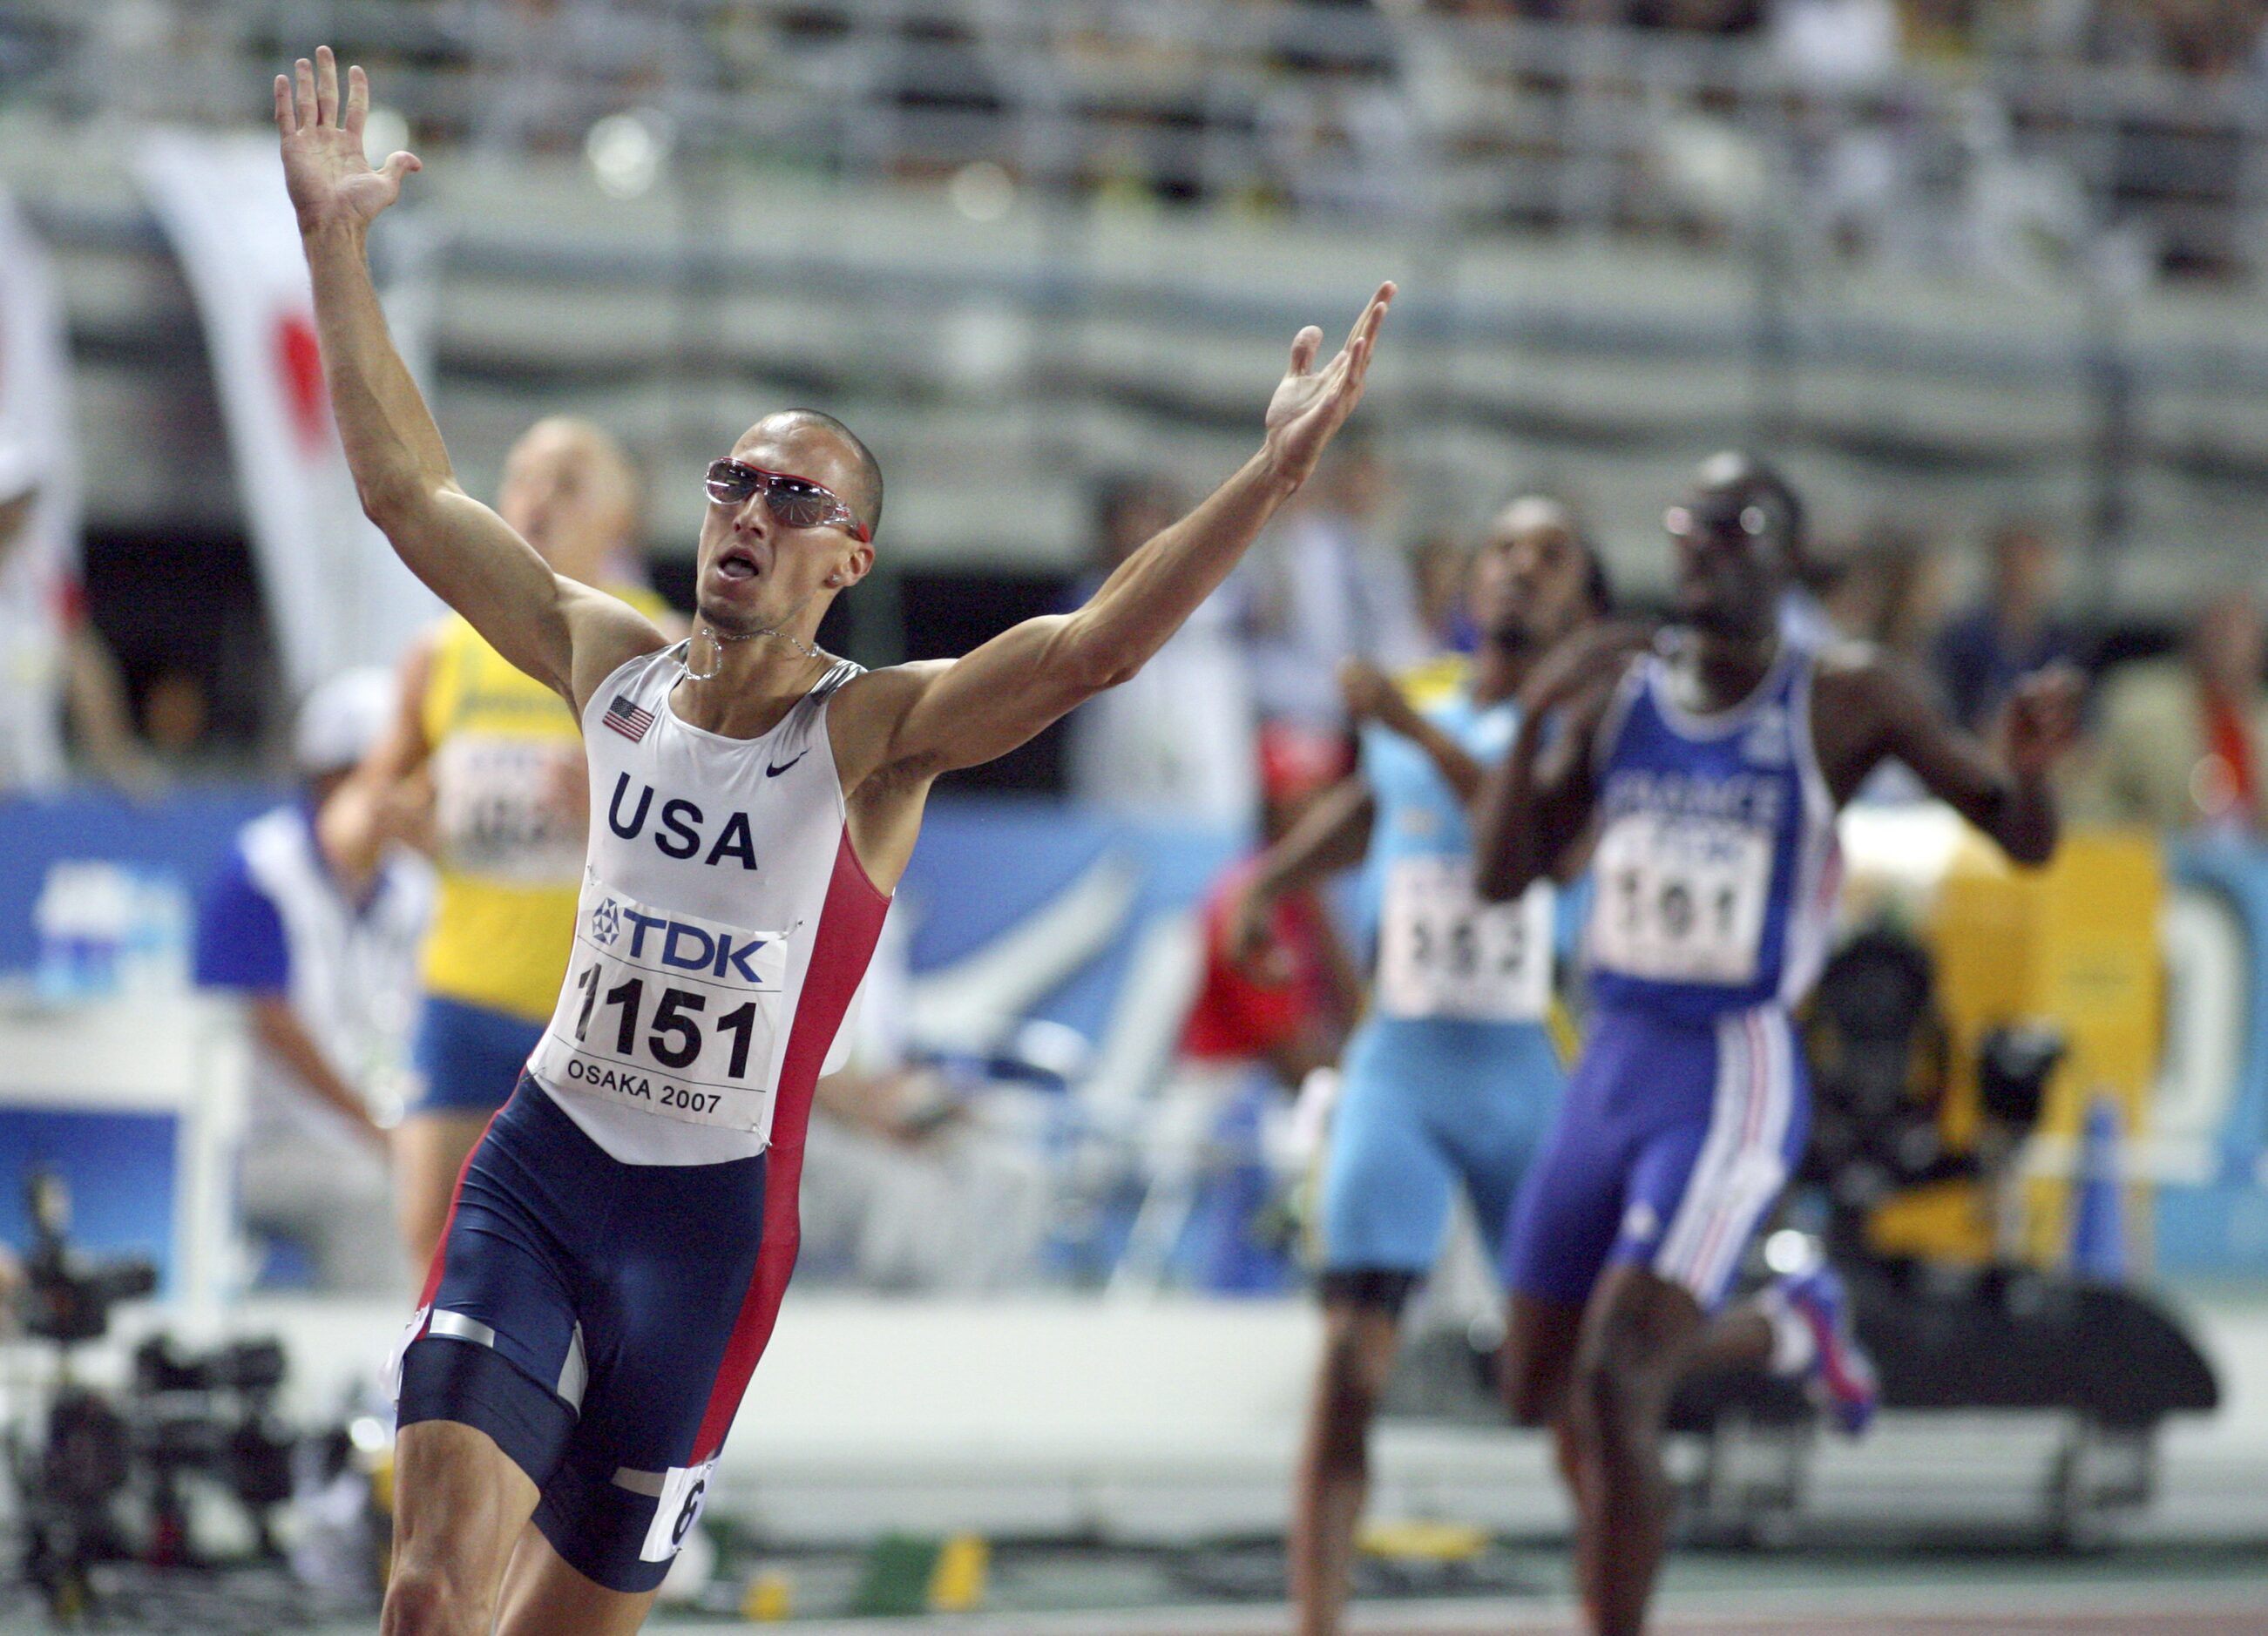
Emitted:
pixel 94 695
pixel 1332 836
pixel 893 731
pixel 1866 710
pixel 960 712
pixel 1534 807
pixel 554 629
pixel 974 709
pixel 1373 695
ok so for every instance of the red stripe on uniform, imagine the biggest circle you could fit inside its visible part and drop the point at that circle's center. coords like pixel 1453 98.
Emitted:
pixel 849 923
pixel 441 1245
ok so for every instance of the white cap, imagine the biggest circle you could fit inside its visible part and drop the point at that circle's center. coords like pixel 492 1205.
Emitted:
pixel 342 719
pixel 20 469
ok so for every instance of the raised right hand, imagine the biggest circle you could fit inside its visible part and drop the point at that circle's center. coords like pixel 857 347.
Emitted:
pixel 331 183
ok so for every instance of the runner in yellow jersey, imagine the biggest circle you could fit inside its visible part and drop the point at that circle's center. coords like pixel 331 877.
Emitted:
pixel 483 764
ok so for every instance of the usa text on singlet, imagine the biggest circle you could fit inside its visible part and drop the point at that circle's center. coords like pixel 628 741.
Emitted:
pixel 708 879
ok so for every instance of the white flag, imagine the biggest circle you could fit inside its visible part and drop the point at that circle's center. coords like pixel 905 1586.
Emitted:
pixel 337 595
pixel 39 575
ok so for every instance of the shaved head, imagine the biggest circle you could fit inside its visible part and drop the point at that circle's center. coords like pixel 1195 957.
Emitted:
pixel 862 492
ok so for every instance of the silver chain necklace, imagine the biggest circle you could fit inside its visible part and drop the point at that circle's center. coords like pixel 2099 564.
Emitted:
pixel 718 639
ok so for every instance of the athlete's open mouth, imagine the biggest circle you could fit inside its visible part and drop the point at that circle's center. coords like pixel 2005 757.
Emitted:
pixel 737 562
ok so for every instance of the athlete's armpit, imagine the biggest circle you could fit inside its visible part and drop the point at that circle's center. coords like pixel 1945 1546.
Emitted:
pixel 604 632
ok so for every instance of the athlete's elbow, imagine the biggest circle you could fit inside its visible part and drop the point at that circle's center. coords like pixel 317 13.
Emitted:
pixel 1085 663
pixel 392 502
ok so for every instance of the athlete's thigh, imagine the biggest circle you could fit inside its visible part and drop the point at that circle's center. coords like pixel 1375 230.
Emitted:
pixel 1387 1183
pixel 1362 1334
pixel 1640 1325
pixel 544 1595
pixel 679 1312
pixel 1504 1100
pixel 1565 1215
pixel 1701 1183
pixel 459 1505
pixel 498 1342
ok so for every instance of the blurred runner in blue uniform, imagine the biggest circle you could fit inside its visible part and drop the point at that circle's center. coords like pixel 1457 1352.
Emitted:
pixel 1452 1080
pixel 1710 765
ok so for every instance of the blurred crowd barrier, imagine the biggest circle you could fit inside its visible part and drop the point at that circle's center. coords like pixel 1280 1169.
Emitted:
pixel 1019 1116
pixel 1957 270
pixel 1984 135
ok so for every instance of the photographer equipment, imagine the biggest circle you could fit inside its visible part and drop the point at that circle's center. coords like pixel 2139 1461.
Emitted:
pixel 104 1480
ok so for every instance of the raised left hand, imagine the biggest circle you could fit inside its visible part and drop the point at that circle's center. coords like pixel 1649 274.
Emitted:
pixel 2040 722
pixel 1310 405
pixel 324 170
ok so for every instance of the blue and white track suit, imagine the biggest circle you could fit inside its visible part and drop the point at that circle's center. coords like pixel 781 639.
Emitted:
pixel 1715 881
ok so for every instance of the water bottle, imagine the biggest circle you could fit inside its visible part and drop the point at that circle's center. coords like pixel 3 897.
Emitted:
pixel 83 916
pixel 56 918
pixel 109 917
pixel 155 956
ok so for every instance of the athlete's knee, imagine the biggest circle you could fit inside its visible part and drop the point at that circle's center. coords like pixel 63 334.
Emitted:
pixel 1536 1358
pixel 425 1598
pixel 1356 1362
pixel 1354 1372
pixel 1530 1396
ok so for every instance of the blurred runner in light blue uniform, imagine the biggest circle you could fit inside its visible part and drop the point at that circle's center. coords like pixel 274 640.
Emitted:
pixel 1453 1080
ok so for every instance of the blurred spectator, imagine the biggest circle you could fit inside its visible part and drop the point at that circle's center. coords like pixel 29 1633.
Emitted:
pixel 907 1185
pixel 1892 595
pixel 2016 632
pixel 552 64
pixel 1292 1013
pixel 2182 738
pixel 326 962
pixel 1177 740
pixel 1836 46
pixel 1339 132
pixel 1841 58
pixel 54 665
pixel 1322 587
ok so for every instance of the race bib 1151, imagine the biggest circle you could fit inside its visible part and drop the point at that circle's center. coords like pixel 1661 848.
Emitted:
pixel 667 1014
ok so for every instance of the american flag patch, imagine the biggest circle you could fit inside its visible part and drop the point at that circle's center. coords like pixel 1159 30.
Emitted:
pixel 628 720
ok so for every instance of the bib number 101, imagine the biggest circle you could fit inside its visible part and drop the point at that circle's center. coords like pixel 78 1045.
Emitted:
pixel 676 1030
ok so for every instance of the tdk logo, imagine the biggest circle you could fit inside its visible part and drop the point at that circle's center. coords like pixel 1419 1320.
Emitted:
pixel 690 948
pixel 606 923
pixel 677 830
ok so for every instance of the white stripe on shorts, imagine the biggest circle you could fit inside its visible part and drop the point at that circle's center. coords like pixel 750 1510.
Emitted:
pixel 1741 1166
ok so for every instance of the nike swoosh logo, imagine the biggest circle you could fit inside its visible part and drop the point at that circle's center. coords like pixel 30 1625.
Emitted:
pixel 774 772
